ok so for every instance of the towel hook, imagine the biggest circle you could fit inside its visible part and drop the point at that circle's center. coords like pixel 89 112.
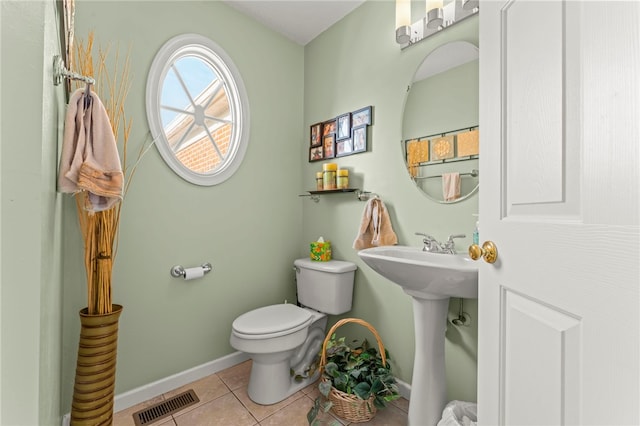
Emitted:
pixel 60 72
pixel 365 195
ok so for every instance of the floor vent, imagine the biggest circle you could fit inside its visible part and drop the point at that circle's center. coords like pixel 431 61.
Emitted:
pixel 165 408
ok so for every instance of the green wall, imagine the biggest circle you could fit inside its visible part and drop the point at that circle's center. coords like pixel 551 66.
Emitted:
pixel 249 227
pixel 30 277
pixel 354 64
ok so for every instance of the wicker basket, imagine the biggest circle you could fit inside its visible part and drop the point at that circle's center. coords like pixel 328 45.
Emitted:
pixel 348 406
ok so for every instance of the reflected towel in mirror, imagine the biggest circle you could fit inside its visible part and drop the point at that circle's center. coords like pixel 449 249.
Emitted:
pixel 451 186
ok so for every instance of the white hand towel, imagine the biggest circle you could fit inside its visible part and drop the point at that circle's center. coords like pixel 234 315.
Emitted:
pixel 90 160
pixel 451 186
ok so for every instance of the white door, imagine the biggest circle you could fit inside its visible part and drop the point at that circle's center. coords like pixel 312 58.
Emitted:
pixel 560 159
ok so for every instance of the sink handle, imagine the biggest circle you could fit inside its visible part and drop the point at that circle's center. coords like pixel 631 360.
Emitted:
pixel 430 243
pixel 451 237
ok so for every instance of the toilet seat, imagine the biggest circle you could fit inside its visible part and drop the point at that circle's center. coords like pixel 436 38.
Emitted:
pixel 271 321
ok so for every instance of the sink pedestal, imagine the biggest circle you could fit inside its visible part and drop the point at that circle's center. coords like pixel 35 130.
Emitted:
pixel 428 384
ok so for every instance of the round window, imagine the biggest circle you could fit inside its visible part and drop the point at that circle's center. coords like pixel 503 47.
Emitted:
pixel 197 109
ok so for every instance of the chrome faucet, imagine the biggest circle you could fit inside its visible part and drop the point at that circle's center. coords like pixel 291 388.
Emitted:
pixel 450 246
pixel 433 246
pixel 430 244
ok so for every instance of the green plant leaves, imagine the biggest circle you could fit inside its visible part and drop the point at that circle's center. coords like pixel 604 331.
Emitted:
pixel 324 387
pixel 362 390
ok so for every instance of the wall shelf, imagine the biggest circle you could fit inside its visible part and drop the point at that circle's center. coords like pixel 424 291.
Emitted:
pixel 315 195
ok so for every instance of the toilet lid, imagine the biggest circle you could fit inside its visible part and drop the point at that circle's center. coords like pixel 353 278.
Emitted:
pixel 275 319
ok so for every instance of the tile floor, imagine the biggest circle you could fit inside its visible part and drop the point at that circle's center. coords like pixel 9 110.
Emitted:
pixel 224 401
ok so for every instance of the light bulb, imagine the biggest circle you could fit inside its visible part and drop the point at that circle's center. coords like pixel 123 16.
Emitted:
pixel 403 21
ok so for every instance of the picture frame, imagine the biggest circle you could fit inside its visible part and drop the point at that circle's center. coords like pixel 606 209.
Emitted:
pixel 359 138
pixel 343 130
pixel 328 145
pixel 315 135
pixel 344 147
pixel 361 117
pixel 316 153
pixel 328 126
pixel 441 148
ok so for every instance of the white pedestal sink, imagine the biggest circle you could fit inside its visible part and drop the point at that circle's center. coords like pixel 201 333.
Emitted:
pixel 431 279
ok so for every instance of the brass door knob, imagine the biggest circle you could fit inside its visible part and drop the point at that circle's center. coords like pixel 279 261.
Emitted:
pixel 488 251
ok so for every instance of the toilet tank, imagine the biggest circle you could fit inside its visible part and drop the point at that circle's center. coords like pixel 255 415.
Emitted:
pixel 325 286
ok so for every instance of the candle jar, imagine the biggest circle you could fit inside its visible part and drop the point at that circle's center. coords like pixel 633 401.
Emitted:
pixel 319 181
pixel 342 179
pixel 329 176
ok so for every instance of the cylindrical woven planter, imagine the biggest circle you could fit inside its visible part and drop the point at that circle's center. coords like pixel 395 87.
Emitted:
pixel 94 386
pixel 349 406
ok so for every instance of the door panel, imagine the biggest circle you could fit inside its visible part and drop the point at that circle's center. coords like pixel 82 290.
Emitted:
pixel 559 329
pixel 533 58
pixel 542 362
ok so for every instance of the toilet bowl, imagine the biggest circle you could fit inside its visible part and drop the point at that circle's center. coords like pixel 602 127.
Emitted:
pixel 284 340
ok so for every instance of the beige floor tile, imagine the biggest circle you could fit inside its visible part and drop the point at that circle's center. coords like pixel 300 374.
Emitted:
pixel 294 414
pixel 219 406
pixel 263 411
pixel 311 390
pixel 207 389
pixel 237 376
pixel 125 417
pixel 223 411
pixel 402 404
pixel 388 416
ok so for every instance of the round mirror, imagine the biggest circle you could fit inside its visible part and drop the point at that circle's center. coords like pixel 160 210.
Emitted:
pixel 440 124
pixel 197 109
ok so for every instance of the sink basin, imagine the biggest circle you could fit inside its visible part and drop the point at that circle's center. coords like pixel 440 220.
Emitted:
pixel 423 274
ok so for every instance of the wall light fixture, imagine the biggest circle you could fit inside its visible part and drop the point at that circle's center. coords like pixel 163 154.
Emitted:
pixel 439 16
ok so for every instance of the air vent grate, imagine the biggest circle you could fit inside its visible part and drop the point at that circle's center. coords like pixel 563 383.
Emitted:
pixel 165 408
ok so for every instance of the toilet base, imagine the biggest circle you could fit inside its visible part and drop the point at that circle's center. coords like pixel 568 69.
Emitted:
pixel 271 380
pixel 281 384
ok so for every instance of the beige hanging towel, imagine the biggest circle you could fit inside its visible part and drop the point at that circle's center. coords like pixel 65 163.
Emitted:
pixel 375 228
pixel 451 186
pixel 90 160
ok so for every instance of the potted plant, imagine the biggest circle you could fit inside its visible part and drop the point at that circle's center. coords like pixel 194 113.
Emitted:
pixel 356 381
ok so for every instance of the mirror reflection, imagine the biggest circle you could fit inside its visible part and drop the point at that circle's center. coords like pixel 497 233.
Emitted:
pixel 440 124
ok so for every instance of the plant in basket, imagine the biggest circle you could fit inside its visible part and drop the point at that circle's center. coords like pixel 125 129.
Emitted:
pixel 356 381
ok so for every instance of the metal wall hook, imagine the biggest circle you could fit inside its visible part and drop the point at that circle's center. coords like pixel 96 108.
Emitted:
pixel 60 72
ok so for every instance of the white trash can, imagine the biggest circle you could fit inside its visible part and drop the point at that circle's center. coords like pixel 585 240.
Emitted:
pixel 459 413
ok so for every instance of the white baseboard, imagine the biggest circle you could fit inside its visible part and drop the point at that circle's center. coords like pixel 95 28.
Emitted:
pixel 151 390
pixel 404 388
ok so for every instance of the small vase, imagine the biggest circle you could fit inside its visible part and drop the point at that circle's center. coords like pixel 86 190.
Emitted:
pixel 95 381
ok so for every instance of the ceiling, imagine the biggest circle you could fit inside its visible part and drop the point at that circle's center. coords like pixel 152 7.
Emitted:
pixel 298 20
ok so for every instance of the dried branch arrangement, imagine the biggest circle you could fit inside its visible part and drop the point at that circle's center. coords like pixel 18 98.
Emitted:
pixel 100 229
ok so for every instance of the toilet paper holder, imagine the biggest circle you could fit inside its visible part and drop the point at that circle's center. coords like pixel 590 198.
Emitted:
pixel 179 271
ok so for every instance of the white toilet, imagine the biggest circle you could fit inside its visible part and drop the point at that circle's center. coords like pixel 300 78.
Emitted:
pixel 283 340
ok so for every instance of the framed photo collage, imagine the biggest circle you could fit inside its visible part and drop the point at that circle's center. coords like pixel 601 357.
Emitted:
pixel 343 135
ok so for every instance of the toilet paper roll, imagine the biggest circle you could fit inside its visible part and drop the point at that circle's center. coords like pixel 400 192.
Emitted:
pixel 192 273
